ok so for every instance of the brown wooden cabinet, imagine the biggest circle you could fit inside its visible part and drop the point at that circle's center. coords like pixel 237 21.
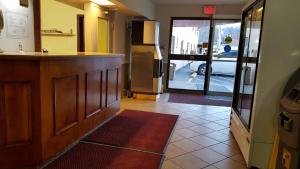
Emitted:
pixel 49 102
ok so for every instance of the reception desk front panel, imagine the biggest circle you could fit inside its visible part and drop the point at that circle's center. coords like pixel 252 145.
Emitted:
pixel 46 105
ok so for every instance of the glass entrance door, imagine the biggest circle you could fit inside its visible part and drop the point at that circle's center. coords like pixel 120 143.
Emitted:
pixel 224 55
pixel 189 46
pixel 199 44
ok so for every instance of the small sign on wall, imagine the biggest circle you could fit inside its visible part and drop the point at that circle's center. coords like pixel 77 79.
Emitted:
pixel 228 40
pixel 16 25
pixel 24 3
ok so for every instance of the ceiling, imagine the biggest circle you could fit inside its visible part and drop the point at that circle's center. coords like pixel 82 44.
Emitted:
pixel 118 6
pixel 199 2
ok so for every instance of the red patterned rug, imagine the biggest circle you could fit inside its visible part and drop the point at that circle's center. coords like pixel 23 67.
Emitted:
pixel 90 156
pixel 134 129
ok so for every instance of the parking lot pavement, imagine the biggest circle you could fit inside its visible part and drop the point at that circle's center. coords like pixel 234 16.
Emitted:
pixel 185 79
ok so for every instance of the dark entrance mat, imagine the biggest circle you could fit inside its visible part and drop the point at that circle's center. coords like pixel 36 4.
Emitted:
pixel 201 100
pixel 140 130
pixel 91 156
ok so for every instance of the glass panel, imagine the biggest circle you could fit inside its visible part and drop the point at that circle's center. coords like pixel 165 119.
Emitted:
pixel 251 30
pixel 246 36
pixel 182 74
pixel 250 68
pixel 227 33
pixel 255 30
pixel 190 37
pixel 248 89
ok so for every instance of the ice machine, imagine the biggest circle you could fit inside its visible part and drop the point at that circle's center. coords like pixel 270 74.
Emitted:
pixel 146 61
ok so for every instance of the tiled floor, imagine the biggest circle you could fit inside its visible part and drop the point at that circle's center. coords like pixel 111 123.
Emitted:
pixel 201 138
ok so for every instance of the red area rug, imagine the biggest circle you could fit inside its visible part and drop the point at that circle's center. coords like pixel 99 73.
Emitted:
pixel 140 130
pixel 90 156
pixel 201 100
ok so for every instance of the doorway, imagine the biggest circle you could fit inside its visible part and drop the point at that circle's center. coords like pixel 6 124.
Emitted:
pixel 198 45
pixel 103 35
pixel 80 33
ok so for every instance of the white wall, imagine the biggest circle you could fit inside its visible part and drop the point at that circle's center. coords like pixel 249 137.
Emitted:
pixel 279 58
pixel 145 8
pixel 119 46
pixel 12 44
pixel 119 27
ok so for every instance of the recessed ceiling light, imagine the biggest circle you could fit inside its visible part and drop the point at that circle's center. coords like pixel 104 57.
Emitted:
pixel 103 2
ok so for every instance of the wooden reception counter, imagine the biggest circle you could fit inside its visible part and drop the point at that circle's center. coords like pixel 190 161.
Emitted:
pixel 49 101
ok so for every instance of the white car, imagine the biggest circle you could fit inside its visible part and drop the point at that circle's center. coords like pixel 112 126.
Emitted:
pixel 224 64
pixel 178 64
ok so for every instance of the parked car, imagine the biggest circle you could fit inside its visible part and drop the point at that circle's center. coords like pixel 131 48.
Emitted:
pixel 223 63
pixel 231 54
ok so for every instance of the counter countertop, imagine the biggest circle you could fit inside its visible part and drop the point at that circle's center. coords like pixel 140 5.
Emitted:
pixel 52 55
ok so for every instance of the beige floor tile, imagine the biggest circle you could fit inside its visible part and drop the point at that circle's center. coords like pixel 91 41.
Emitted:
pixel 238 158
pixel 231 143
pixel 224 149
pixel 213 126
pixel 203 113
pixel 201 130
pixel 225 131
pixel 223 122
pixel 179 126
pixel 221 108
pixel 187 133
pixel 229 164
pixel 202 125
pixel 188 161
pixel 174 151
pixel 203 109
pixel 208 155
pixel 210 117
pixel 167 164
pixel 219 136
pixel 186 123
pixel 198 120
pixel 210 167
pixel 186 116
pixel 176 137
pixel 204 141
pixel 187 145
pixel 223 116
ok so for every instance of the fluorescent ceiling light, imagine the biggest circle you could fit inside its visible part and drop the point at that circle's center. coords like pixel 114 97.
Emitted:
pixel 103 2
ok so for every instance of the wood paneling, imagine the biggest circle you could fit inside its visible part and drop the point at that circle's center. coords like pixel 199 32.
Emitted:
pixel 54 97
pixel 20 129
pixel 17 112
pixel 65 103
pixel 112 86
pixel 93 101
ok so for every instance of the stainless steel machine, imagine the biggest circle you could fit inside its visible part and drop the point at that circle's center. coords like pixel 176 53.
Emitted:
pixel 289 126
pixel 146 62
